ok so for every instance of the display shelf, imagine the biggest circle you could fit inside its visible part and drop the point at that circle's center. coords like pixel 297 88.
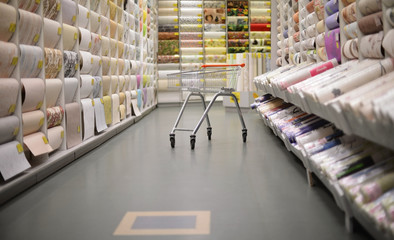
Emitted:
pixel 58 160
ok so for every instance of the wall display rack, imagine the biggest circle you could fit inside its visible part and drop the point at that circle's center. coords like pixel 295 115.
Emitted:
pixel 75 74
pixel 336 62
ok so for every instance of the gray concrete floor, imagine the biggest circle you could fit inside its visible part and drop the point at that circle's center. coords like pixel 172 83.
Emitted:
pixel 256 190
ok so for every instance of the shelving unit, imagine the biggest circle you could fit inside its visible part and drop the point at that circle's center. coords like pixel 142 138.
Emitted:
pixel 343 42
pixel 99 76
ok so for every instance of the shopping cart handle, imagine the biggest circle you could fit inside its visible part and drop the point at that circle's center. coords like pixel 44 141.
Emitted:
pixel 224 65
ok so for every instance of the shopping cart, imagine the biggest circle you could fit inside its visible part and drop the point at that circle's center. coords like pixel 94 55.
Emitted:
pixel 220 79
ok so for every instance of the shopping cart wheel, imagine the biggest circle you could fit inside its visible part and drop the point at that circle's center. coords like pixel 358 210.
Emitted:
pixel 244 134
pixel 192 141
pixel 172 140
pixel 209 132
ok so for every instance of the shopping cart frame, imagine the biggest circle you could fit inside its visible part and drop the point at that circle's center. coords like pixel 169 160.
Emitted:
pixel 224 91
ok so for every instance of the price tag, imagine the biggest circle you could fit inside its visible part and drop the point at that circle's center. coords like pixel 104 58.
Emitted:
pixel 199 20
pixel 92 102
pixel 36 37
pixel 176 27
pixel 39 64
pixel 100 62
pixel 38 1
pixel 62 134
pixel 91 60
pixel 259 55
pixel 199 5
pixel 58 6
pixel 176 34
pixel 75 36
pixel 74 18
pixel 76 66
pixel 223 6
pixel 176 20
pixel 88 15
pixel 200 53
pixel 247 34
pixel 59 31
pixel 269 25
pixel 45 139
pixel 175 5
pixel 12 27
pixel 11 109
pixel 175 9
pixel 223 37
pixel 199 26
pixel 79 129
pixel 41 121
pixel 200 58
pixel 101 100
pixel 224 27
pixel 19 147
pixel 39 105
pixel 14 61
pixel 244 55
pixel 199 35
pixel 92 81
pixel 199 15
pixel 99 19
pixel 16 130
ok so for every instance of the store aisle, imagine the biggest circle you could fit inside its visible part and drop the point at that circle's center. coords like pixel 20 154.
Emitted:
pixel 253 191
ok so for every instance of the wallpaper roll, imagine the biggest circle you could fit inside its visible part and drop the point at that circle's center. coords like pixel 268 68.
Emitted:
pixel 114 83
pixel 168 47
pixel 12 160
pixel 259 42
pixel 212 35
pixel 55 137
pixel 320 40
pixel 73 127
pixel 69 12
pixel 120 49
pixel 371 45
pixel 33 90
pixel 53 62
pixel 259 35
pixel 192 59
pixel 106 84
pixel 168 59
pixel 192 51
pixel 70 36
pixel 105 46
pixel 390 16
pixel 237 20
pixel 29 27
pixel 122 97
pixel 332 7
pixel 312 18
pixel 190 20
pixel 52 33
pixel 106 64
pixel 139 98
pixel 8 23
pixel 112 10
pixel 321 52
pixel 70 88
pixel 120 31
pixel 113 27
pixel 371 24
pixel 99 115
pixel 83 16
pixel 8 59
pixel 311 31
pixel 113 63
pixel 128 102
pixel 9 89
pixel 168 4
pixel 9 128
pixel 138 81
pixel 260 12
pixel 368 7
pixel 85 39
pixel 333 46
pixel 188 12
pixel 51 8
pixel 32 121
pixel 113 45
pixel 351 30
pixel 260 27
pixel 350 49
pixel 215 58
pixel 260 4
pixel 104 7
pixel 98 82
pixel 96 44
pixel 262 19
pixel 86 85
pixel 238 42
pixel 215 50
pixel 208 28
pixel 115 109
pixel 388 43
pixel 37 143
pixel 349 13
pixel 96 63
pixel 31 61
pixel 122 82
pixel 52 91
pixel 296 36
pixel 214 16
pixel 193 43
pixel 54 116
pixel 238 35
pixel 347 2
pixel 85 63
pixel 95 21
pixel 169 28
pixel 133 82
pixel 332 21
pixel 168 36
pixel 88 118
pixel 105 23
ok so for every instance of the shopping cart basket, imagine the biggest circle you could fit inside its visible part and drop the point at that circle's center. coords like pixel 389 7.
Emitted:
pixel 220 79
